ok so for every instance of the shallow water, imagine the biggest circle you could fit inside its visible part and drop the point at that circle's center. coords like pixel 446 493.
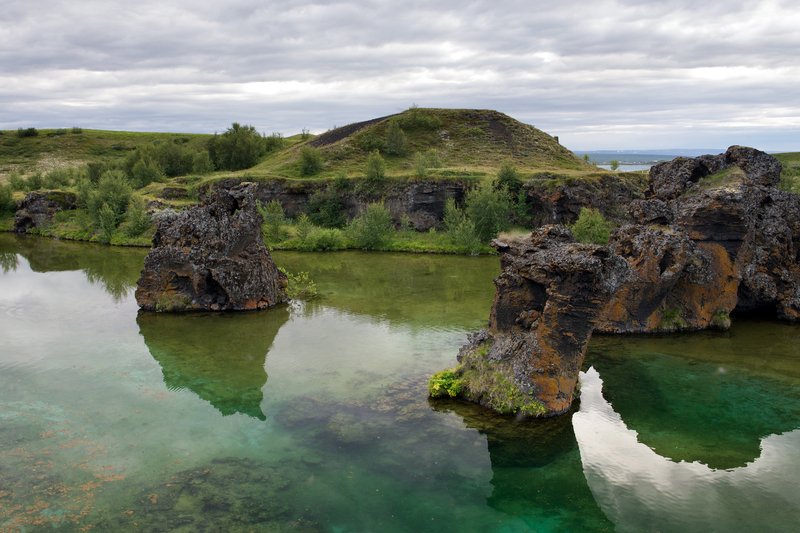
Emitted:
pixel 314 417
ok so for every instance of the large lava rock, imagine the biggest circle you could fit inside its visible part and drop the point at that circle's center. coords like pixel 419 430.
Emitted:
pixel 212 257
pixel 548 298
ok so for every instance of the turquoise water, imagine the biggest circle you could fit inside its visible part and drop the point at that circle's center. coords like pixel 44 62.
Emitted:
pixel 313 416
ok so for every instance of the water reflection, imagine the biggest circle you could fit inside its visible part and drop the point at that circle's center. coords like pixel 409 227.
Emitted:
pixel 645 489
pixel 115 269
pixel 423 290
pixel 536 469
pixel 218 356
pixel 691 408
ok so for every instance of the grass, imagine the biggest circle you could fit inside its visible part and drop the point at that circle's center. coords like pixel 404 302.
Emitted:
pixel 790 176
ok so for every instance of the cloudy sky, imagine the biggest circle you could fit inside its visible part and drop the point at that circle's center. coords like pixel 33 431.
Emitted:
pixel 600 74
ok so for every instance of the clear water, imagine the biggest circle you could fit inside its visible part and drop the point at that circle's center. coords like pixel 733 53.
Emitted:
pixel 314 417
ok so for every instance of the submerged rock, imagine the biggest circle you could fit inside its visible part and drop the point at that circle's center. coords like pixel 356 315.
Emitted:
pixel 212 258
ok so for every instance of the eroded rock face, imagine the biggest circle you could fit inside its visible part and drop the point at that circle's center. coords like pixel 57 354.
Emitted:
pixel 714 236
pixel 38 207
pixel 548 298
pixel 211 257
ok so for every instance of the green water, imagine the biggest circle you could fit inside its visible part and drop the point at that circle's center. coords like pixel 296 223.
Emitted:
pixel 313 417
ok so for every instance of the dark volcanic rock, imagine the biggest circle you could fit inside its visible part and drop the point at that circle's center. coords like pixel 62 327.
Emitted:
pixel 38 207
pixel 713 237
pixel 211 257
pixel 547 301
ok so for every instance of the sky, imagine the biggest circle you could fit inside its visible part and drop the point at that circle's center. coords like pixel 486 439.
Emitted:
pixel 600 74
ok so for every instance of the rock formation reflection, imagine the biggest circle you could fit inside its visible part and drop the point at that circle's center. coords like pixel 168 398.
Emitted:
pixel 218 356
pixel 536 469
pixel 645 489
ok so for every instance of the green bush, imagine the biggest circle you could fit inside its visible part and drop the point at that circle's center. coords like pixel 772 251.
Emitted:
pixel 325 208
pixel 376 168
pixel 7 203
pixel 591 227
pixel 432 159
pixel 145 172
pixel 76 129
pixel 340 182
pixel 58 178
pixel 370 142
pixel 113 191
pixel 372 229
pixel 460 228
pixel 487 207
pixel 418 119
pixel 324 240
pixel 27 132
pixel 238 148
pixel 273 142
pixel 300 287
pixel 106 222
pixel 136 219
pixel 310 160
pixel 420 165
pixel 34 182
pixel 395 139
pixel 202 164
pixel 614 164
pixel 303 226
pixel 16 181
pixel 96 169
pixel 274 219
pixel 508 177
pixel 521 208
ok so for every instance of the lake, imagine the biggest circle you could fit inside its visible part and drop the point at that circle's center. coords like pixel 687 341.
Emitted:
pixel 314 417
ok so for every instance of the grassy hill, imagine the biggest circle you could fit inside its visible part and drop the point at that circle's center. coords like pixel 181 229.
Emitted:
pixel 466 141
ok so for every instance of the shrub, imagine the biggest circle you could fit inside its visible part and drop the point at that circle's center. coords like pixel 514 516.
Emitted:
pixel 376 168
pixel 202 164
pixel 507 176
pixel 112 191
pixel 145 172
pixel 370 142
pixel 522 208
pixel 274 219
pixel 96 169
pixel 27 132
pixel 76 129
pixel 300 287
pixel 325 208
pixel 310 160
pixel 420 165
pixel 395 139
pixel 303 226
pixel 238 148
pixel 432 159
pixel 614 164
pixel 372 229
pixel 418 119
pixel 16 182
pixel 61 131
pixel 107 222
pixel 487 207
pixel 136 220
pixel 85 189
pixel 34 182
pixel 340 182
pixel 273 142
pixel 7 203
pixel 460 228
pixel 591 227
pixel 172 160
pixel 324 240
pixel 56 178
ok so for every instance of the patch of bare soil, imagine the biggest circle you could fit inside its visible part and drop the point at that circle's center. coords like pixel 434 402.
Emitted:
pixel 332 136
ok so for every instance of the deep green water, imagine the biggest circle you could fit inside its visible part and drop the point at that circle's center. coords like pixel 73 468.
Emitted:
pixel 314 417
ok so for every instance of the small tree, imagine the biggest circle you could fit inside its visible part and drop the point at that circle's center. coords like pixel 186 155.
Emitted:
pixel 7 203
pixel 508 177
pixel 460 228
pixel 614 164
pixel 136 219
pixel 420 165
pixel 591 227
pixel 395 139
pixel 303 226
pixel 310 160
pixel 487 207
pixel 376 168
pixel 239 147
pixel 202 164
pixel 372 229
pixel 112 191
pixel 274 218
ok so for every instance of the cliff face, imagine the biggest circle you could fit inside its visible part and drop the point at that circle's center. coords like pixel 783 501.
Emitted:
pixel 712 236
pixel 211 257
